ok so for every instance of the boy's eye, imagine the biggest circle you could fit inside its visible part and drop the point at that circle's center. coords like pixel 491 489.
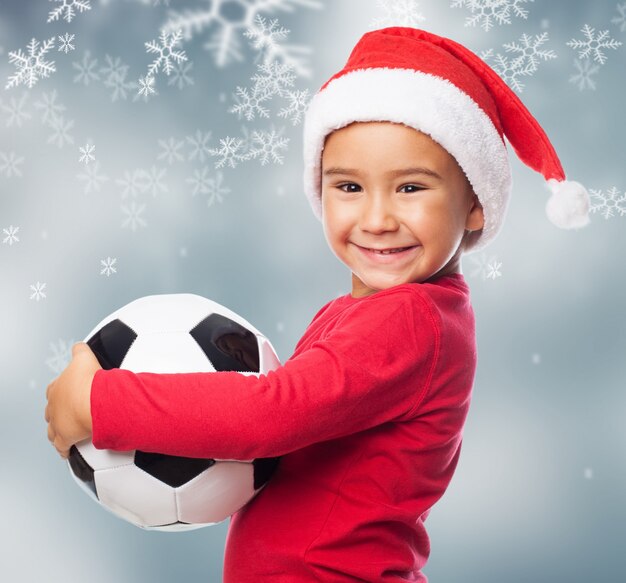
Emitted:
pixel 342 187
pixel 415 187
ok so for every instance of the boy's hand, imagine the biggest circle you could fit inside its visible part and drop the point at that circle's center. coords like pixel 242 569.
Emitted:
pixel 68 412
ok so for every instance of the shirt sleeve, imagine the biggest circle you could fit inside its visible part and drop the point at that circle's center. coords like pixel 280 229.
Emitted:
pixel 373 367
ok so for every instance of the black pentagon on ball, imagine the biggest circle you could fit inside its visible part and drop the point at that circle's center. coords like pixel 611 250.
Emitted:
pixel 172 470
pixel 111 343
pixel 82 470
pixel 228 345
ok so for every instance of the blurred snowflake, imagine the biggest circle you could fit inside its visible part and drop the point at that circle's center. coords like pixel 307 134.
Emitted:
pixel 594 44
pixel 398 13
pixel 490 12
pixel 170 150
pixel 584 71
pixel 11 235
pixel 61 131
pixel 487 267
pixel 38 291
pixel 10 164
pixel 133 216
pixel 199 144
pixel 620 20
pixel 108 266
pixel 181 75
pixel 61 356
pixel 49 107
pixel 92 178
pixel 86 69
pixel 15 111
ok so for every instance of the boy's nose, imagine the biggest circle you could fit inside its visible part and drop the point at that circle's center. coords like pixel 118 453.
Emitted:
pixel 378 216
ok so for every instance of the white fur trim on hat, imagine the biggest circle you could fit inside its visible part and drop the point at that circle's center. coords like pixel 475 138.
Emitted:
pixel 425 102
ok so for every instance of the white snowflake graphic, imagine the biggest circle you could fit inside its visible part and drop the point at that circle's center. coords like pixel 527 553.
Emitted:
pixel 398 13
pixel 594 44
pixel 488 13
pixel 108 266
pixel 524 64
pixel 583 77
pixel 229 152
pixel 61 132
pixel 170 150
pixel 61 356
pixel 267 145
pixel 65 43
pixel 224 43
pixel 113 68
pixel 68 8
pixel 264 36
pixel 15 111
pixel 87 153
pixel 9 164
pixel 86 69
pixel 116 79
pixel 38 291
pixel 248 103
pixel 200 181
pixel 487 267
pixel 92 178
pixel 166 51
pixel 608 203
pixel 146 88
pixel 621 19
pixel 199 144
pixel 133 216
pixel 298 103
pixel 32 66
pixel 203 183
pixel 11 235
pixel 50 109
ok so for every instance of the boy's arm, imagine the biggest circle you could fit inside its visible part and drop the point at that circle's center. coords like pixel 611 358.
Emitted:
pixel 372 369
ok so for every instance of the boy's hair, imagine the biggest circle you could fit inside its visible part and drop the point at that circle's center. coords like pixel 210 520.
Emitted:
pixel 437 86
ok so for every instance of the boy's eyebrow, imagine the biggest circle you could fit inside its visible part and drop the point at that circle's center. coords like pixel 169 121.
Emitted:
pixel 393 173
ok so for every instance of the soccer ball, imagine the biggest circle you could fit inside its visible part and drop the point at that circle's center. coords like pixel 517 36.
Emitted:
pixel 173 333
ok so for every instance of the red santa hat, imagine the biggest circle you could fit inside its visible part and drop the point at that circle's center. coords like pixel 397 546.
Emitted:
pixel 439 87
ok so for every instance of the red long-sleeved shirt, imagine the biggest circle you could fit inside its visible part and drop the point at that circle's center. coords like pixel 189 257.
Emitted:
pixel 367 415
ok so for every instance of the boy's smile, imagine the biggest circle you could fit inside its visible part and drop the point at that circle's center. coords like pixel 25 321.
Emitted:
pixel 397 208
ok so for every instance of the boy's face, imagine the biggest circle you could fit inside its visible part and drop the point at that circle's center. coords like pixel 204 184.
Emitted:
pixel 370 204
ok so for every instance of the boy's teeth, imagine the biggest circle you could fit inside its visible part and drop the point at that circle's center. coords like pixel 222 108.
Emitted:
pixel 387 251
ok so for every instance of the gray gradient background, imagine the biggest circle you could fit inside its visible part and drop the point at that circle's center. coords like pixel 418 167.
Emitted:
pixel 539 492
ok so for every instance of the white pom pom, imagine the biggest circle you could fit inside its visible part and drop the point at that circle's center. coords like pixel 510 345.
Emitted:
pixel 568 207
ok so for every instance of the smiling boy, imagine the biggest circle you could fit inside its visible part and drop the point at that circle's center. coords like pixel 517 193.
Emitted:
pixel 405 165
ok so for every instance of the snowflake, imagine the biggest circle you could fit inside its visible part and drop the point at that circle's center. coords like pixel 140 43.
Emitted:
pixel 9 164
pixel 298 102
pixel 493 270
pixel 134 218
pixel 66 43
pixel 92 178
pixel 200 181
pixel 166 52
pixel 608 203
pixel 61 133
pixel 146 88
pixel 249 105
pixel 33 66
pixel 86 69
pixel 593 45
pixel 264 36
pixel 484 266
pixel 108 268
pixel 154 178
pixel 61 356
pixel 11 235
pixel 224 43
pixel 621 19
pixel 266 145
pixel 486 12
pixel 229 152
pixel 87 153
pixel 51 110
pixel 525 64
pixel 199 145
pixel 117 81
pixel 113 69
pixel 398 13
pixel 274 78
pixel 132 183
pixel 216 190
pixel 180 76
pixel 38 289
pixel 585 69
pixel 15 111
pixel 170 150
pixel 67 9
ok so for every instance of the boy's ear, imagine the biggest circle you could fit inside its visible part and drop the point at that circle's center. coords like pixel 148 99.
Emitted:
pixel 475 218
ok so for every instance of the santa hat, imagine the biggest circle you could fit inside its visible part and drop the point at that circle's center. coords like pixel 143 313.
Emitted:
pixel 441 88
